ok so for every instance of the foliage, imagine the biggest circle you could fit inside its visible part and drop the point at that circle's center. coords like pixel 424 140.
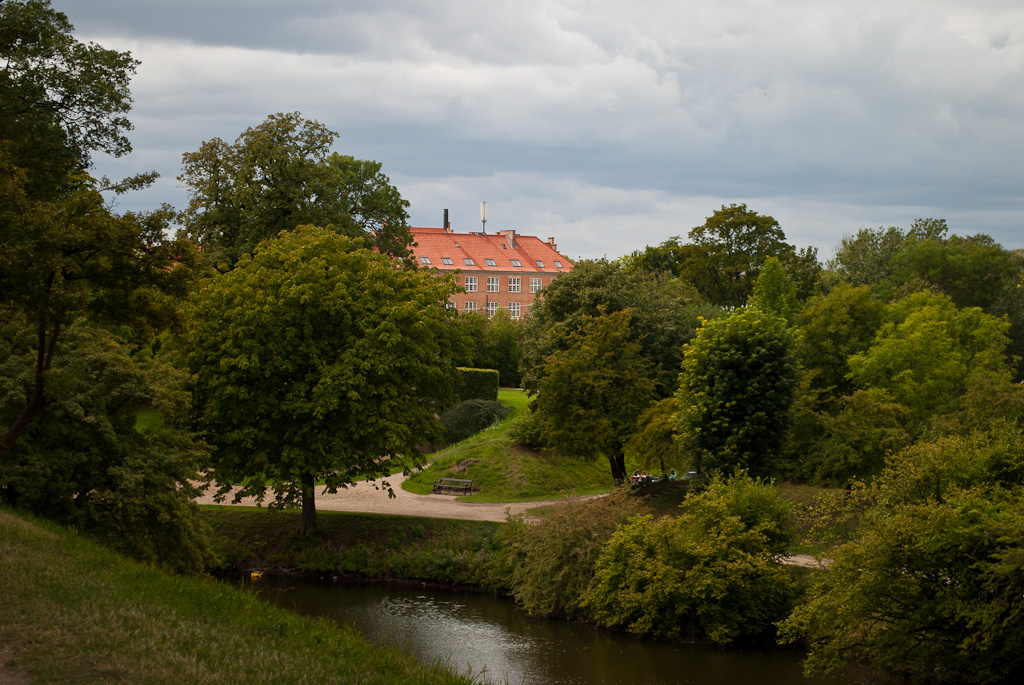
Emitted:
pixel 727 252
pixel 316 358
pixel 654 444
pixel 550 564
pixel 664 315
pixel 477 384
pixel 774 291
pixel 470 417
pixel 84 462
pixel 61 99
pixel 832 328
pixel 926 352
pixel 280 175
pixel 736 386
pixel 710 572
pixel 931 583
pixel 593 391
pixel 75 612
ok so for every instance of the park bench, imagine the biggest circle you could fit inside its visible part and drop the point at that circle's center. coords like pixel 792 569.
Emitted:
pixel 458 486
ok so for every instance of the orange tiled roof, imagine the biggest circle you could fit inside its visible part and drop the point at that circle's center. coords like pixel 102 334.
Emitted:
pixel 502 248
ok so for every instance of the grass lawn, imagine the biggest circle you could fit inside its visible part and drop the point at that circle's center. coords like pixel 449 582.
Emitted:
pixel 73 611
pixel 507 472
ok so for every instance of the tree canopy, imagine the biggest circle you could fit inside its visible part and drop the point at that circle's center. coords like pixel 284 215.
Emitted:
pixel 282 174
pixel 316 358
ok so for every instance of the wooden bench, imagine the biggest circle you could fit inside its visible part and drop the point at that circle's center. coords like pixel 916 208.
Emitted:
pixel 457 486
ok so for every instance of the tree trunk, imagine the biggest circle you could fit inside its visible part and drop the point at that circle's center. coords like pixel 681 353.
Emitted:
pixel 308 505
pixel 618 464
pixel 46 346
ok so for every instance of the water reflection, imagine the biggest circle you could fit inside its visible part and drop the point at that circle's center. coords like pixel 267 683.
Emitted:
pixel 487 634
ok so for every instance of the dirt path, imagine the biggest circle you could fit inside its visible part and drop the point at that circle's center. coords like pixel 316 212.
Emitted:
pixel 372 498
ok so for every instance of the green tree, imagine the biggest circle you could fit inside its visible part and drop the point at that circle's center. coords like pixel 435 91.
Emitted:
pixel 498 346
pixel 654 443
pixel 710 572
pixel 594 389
pixel 318 359
pixel 737 383
pixel 280 175
pixel 728 250
pixel 774 291
pixel 926 352
pixel 932 583
pixel 60 99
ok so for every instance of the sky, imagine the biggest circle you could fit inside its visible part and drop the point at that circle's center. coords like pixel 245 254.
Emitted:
pixel 606 124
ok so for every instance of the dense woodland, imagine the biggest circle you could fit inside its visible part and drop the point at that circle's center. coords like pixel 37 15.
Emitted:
pixel 274 333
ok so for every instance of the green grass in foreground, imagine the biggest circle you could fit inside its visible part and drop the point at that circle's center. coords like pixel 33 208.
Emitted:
pixel 71 611
pixel 505 472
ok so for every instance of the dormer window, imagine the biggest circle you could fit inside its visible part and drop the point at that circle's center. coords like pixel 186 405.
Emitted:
pixel 558 264
pixel 447 261
pixel 425 261
pixel 540 264
pixel 468 261
pixel 490 262
pixel 516 262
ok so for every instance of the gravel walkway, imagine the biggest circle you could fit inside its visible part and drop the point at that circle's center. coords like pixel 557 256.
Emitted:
pixel 372 498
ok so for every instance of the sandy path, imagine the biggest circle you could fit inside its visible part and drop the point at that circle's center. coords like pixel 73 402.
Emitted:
pixel 371 498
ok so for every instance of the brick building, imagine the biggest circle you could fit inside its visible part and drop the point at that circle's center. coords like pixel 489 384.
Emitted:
pixel 501 270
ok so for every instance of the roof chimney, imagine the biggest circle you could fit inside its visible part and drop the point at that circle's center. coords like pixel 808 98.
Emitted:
pixel 510 236
pixel 551 242
pixel 447 226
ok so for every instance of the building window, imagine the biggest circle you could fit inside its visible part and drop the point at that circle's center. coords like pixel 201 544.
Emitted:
pixel 535 285
pixel 558 264
pixel 492 308
pixel 513 309
pixel 492 284
pixel 470 284
pixel 425 260
pixel 449 305
pixel 514 284
pixel 471 306
pixel 490 262
pixel 516 262
pixel 468 261
pixel 446 261
pixel 540 264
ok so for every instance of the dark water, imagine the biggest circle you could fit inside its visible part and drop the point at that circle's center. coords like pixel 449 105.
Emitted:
pixel 488 635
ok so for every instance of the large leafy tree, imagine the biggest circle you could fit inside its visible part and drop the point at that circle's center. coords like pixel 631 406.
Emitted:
pixel 316 358
pixel 727 252
pixel 282 174
pixel 737 383
pixel 60 99
pixel 932 582
pixel 593 390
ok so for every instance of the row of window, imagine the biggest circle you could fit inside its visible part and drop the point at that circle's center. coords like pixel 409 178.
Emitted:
pixel 514 284
pixel 514 308
pixel 468 261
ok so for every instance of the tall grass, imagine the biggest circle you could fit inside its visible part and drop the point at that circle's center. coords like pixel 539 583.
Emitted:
pixel 71 611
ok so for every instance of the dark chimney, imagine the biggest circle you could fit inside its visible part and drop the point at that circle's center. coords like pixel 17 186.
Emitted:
pixel 446 225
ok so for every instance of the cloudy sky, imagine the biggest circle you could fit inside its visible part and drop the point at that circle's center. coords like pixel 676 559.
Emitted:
pixel 607 124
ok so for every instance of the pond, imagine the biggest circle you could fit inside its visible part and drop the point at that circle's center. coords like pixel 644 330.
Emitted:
pixel 487 635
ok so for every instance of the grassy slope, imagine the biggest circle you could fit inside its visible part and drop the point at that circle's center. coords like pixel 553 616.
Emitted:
pixel 505 472
pixel 71 611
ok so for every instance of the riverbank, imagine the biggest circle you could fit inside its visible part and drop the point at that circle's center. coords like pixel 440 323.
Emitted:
pixel 76 612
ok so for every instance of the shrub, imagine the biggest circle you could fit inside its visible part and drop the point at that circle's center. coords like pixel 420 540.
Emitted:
pixel 708 573
pixel 478 384
pixel 528 430
pixel 471 417
pixel 551 564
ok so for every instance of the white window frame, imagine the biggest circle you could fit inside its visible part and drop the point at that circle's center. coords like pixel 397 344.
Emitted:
pixel 536 284
pixel 513 309
pixel 468 261
pixel 425 261
pixel 558 264
pixel 471 284
pixel 515 284
pixel 447 261
pixel 492 284
pixel 471 307
pixel 492 308
pixel 490 262
pixel 517 263
pixel 540 263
